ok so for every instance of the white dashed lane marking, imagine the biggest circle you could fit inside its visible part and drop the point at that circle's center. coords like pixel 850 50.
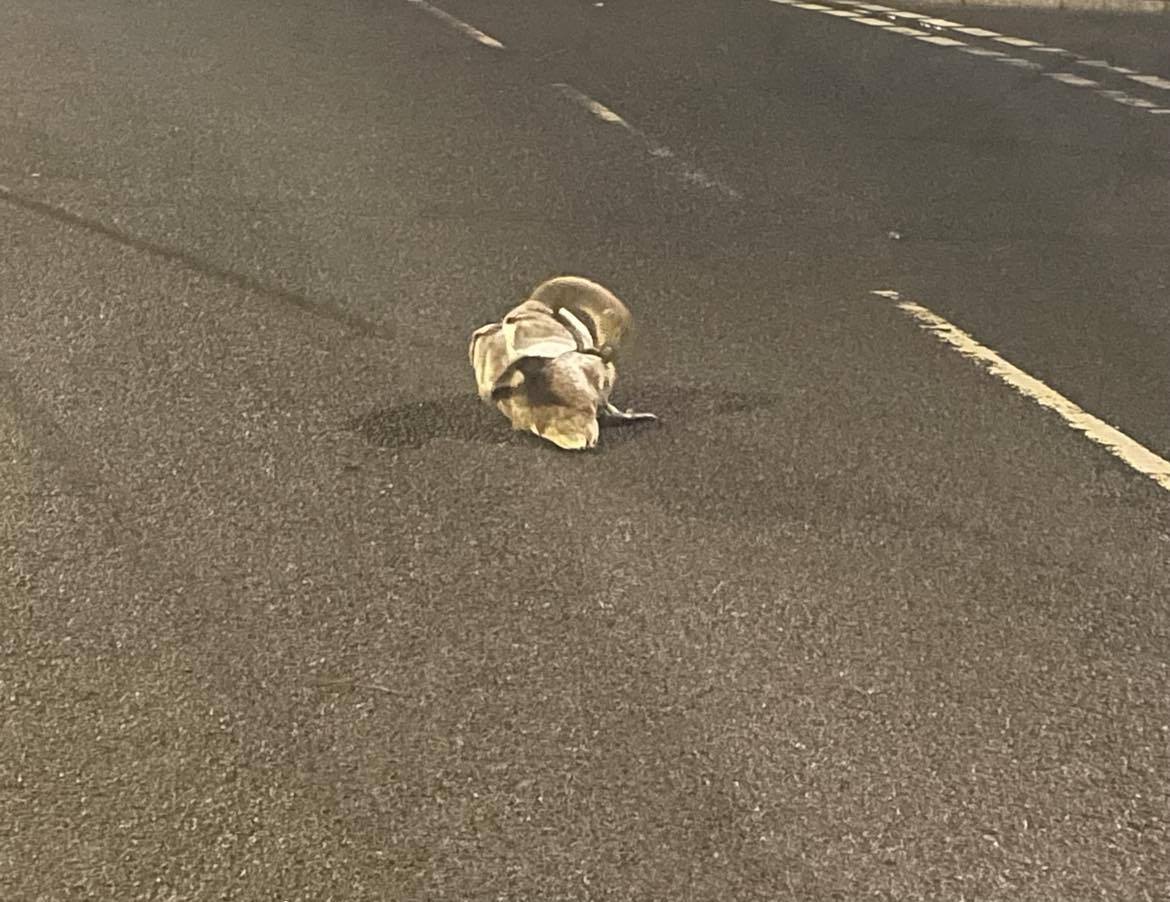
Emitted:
pixel 1113 440
pixel 1153 81
pixel 600 110
pixel 978 32
pixel 459 25
pixel 940 41
pixel 1019 63
pixel 1138 103
pixel 1017 42
pixel 683 170
pixel 1067 78
pixel 890 20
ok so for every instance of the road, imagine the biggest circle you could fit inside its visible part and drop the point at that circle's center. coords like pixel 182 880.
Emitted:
pixel 288 615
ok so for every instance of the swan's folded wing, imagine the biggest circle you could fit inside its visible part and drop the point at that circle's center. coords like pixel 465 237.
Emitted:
pixel 488 352
pixel 533 330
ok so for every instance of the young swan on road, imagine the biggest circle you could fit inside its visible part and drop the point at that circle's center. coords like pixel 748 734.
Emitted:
pixel 548 366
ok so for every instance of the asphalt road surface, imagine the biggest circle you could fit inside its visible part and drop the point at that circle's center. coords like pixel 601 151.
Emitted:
pixel 288 615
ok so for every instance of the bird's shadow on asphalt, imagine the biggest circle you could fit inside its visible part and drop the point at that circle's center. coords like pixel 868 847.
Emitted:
pixel 418 423
pixel 415 424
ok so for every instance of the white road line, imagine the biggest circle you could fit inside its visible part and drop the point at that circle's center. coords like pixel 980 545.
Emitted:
pixel 1019 63
pixel 978 32
pixel 973 31
pixel 1153 81
pixel 942 41
pixel 1017 42
pixel 1104 64
pixel 600 110
pixel 893 18
pixel 474 33
pixel 1067 78
pixel 982 51
pixel 1138 103
pixel 685 171
pixel 1116 442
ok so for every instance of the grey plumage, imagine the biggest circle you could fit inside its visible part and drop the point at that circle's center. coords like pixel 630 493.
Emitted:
pixel 550 364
